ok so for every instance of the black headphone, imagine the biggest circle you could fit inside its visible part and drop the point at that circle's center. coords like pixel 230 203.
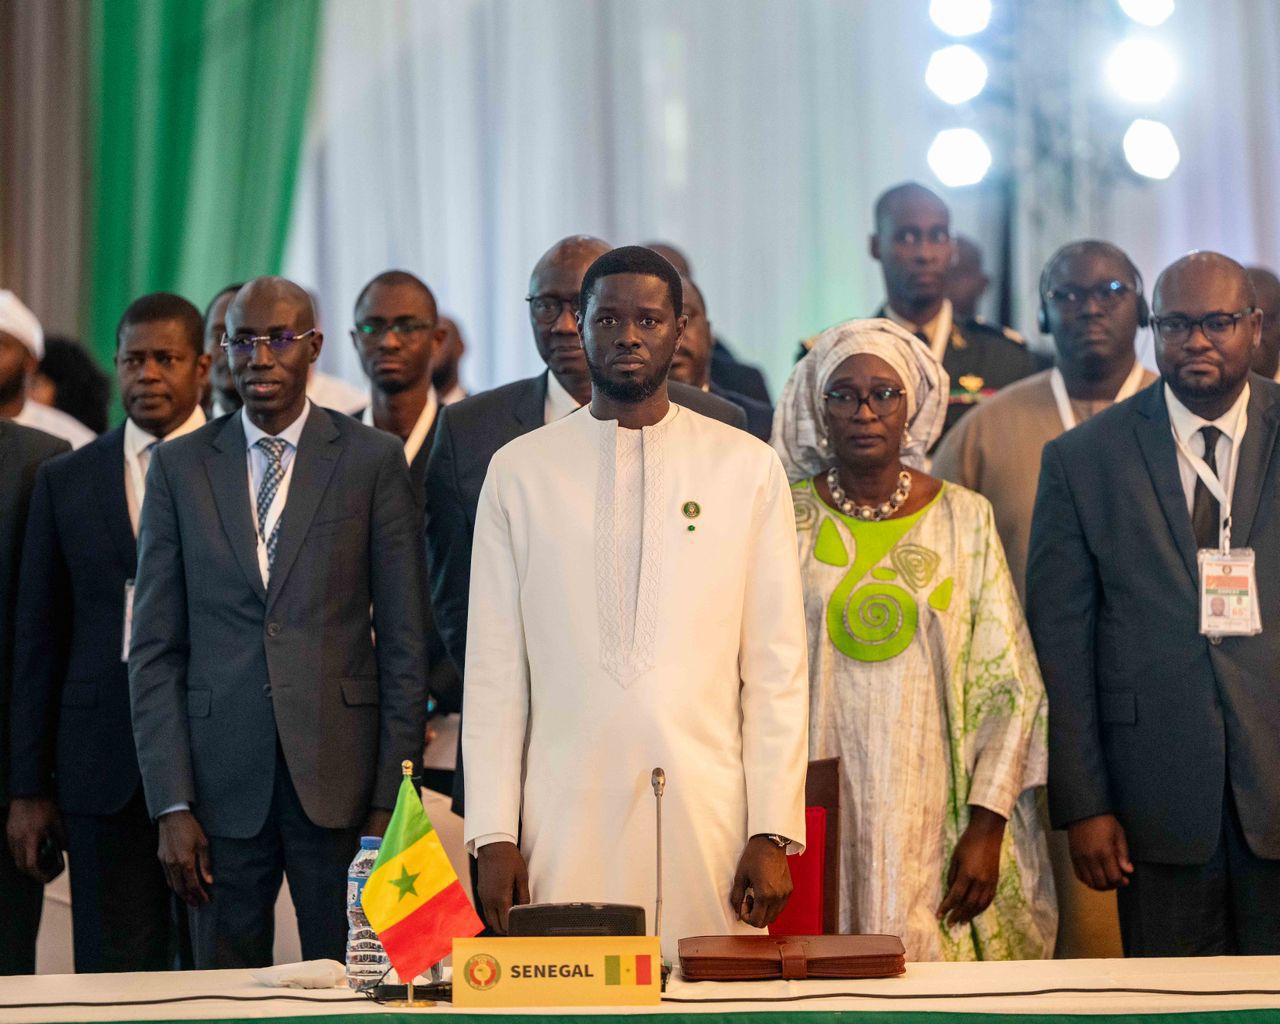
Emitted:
pixel 1144 310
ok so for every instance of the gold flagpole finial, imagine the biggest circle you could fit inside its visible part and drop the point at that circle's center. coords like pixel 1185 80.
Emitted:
pixel 407 768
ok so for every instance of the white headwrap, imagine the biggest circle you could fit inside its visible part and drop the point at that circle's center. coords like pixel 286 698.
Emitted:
pixel 19 321
pixel 800 423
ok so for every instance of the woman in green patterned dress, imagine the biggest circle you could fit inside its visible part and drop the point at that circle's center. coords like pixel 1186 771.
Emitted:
pixel 922 676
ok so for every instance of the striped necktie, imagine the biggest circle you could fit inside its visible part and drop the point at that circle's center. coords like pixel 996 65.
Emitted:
pixel 273 448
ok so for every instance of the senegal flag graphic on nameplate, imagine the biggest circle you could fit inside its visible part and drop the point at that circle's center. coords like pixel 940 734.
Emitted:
pixel 413 898
pixel 628 970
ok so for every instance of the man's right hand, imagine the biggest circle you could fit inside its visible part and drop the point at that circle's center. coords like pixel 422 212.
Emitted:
pixel 1099 852
pixel 30 820
pixel 503 882
pixel 184 855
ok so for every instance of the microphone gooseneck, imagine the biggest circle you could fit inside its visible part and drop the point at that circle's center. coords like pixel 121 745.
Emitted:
pixel 659 782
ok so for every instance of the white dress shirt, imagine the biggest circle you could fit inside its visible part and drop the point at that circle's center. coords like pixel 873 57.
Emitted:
pixel 56 422
pixel 1186 428
pixel 937 330
pixel 258 469
pixel 412 443
pixel 137 458
pixel 559 402
pixel 330 392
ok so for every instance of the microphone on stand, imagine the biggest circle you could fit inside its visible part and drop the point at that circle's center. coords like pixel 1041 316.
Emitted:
pixel 659 782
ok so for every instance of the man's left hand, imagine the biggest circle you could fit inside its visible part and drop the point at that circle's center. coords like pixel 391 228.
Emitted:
pixel 975 867
pixel 763 870
pixel 377 822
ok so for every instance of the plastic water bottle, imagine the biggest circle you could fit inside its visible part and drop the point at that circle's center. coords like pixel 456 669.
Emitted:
pixel 366 959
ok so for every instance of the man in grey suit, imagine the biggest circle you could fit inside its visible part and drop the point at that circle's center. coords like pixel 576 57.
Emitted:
pixel 275 542
pixel 22 450
pixel 1164 744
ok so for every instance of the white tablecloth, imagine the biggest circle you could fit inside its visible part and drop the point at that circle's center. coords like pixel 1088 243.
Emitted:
pixel 932 987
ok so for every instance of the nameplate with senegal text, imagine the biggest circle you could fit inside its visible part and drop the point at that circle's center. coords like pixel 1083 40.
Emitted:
pixel 577 971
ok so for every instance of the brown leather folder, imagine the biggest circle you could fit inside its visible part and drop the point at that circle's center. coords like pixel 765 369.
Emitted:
pixel 790 957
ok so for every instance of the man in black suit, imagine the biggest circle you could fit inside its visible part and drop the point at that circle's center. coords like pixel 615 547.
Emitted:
pixel 275 543
pixel 469 433
pixel 727 371
pixel 74 763
pixel 398 335
pixel 1164 743
pixel 22 452
pixel 692 363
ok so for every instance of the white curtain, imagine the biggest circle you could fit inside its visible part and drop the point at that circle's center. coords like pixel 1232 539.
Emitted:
pixel 460 138
pixel 1224 110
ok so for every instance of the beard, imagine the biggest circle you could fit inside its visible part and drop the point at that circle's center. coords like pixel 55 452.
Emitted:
pixel 628 392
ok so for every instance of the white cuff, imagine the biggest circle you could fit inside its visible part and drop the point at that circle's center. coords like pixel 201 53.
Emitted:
pixel 473 847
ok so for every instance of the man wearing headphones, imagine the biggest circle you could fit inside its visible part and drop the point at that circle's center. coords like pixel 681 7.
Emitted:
pixel 1091 301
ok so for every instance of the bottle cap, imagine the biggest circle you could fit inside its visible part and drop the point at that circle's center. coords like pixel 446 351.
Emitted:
pixel 371 842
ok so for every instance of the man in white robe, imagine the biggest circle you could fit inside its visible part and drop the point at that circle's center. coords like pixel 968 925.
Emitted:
pixel 635 603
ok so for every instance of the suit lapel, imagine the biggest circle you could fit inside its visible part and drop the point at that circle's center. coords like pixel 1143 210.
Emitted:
pixel 530 409
pixel 1255 460
pixel 1155 438
pixel 312 467
pixel 228 470
pixel 108 471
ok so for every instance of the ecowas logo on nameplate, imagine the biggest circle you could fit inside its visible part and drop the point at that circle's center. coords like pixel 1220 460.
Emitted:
pixel 586 971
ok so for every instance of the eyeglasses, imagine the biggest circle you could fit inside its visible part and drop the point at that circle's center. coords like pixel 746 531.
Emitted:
pixel 243 345
pixel 547 309
pixel 1074 296
pixel 1216 326
pixel 371 333
pixel 882 401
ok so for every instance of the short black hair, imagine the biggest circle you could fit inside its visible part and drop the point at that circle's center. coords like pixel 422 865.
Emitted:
pixel 633 259
pixel 887 198
pixel 230 289
pixel 395 278
pixel 1092 247
pixel 81 389
pixel 159 306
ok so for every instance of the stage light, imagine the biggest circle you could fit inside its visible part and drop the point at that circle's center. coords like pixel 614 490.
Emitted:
pixel 956 74
pixel 960 17
pixel 1148 12
pixel 1151 149
pixel 959 157
pixel 1141 70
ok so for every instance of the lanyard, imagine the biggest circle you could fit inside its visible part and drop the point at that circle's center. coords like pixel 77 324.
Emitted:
pixel 1220 489
pixel 942 332
pixel 1059 387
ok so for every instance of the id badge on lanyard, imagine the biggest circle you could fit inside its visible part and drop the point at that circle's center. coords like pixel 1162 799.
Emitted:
pixel 1228 580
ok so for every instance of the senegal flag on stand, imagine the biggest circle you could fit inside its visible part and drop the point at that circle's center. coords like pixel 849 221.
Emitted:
pixel 413 898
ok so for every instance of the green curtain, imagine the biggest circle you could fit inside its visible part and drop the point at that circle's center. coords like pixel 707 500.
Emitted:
pixel 198 110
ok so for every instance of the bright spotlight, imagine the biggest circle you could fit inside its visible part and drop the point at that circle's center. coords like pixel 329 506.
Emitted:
pixel 1148 12
pixel 1151 149
pixel 1141 70
pixel 960 17
pixel 958 156
pixel 956 74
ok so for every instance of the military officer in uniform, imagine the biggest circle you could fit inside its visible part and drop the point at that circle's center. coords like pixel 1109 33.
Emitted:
pixel 913 243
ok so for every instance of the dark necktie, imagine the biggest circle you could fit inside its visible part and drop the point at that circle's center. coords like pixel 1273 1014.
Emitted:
pixel 1204 506
pixel 273 448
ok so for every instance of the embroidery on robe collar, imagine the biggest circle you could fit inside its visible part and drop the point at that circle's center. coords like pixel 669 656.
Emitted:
pixel 627 653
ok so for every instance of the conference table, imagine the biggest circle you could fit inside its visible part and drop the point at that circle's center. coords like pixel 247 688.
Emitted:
pixel 1239 990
